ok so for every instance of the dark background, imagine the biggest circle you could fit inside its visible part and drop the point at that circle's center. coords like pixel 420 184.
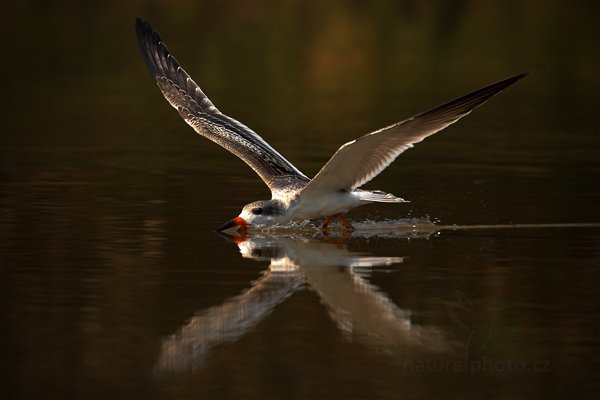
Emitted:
pixel 108 200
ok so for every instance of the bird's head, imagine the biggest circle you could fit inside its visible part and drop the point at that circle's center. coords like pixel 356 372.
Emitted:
pixel 262 212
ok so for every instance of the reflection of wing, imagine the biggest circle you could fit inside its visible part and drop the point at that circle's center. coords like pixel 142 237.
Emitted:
pixel 188 348
pixel 356 306
pixel 359 161
pixel 200 113
pixel 366 314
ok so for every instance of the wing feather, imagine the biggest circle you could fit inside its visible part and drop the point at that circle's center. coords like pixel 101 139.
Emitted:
pixel 202 115
pixel 359 161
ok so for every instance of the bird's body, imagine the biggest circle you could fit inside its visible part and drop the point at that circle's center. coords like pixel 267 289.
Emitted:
pixel 325 205
pixel 335 188
pixel 299 208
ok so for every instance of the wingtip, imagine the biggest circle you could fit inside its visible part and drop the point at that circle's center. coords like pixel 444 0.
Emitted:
pixel 140 24
pixel 144 28
pixel 522 75
pixel 514 79
pixel 517 78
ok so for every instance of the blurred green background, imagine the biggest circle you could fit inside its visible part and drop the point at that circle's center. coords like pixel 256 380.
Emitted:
pixel 109 200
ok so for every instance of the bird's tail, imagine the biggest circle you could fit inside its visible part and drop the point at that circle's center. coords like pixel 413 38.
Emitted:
pixel 379 196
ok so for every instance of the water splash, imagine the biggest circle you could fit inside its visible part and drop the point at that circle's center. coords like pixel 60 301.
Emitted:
pixel 422 227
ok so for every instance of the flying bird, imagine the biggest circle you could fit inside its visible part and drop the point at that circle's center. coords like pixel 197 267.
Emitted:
pixel 294 196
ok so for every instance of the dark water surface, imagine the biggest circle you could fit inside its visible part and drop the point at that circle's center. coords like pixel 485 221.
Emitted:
pixel 114 284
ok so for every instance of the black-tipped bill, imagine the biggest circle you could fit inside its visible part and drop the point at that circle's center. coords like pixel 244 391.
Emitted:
pixel 235 227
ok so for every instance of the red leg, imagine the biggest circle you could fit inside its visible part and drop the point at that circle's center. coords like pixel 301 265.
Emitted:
pixel 340 218
pixel 345 222
pixel 329 220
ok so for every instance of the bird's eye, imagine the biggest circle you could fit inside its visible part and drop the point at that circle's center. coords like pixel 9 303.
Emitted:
pixel 257 211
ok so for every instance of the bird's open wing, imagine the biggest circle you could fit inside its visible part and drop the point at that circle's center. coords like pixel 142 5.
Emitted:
pixel 200 113
pixel 359 161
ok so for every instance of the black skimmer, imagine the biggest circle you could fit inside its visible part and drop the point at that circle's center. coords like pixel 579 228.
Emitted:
pixel 335 188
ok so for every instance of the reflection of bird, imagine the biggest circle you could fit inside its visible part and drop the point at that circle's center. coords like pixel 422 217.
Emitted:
pixel 334 190
pixel 359 308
